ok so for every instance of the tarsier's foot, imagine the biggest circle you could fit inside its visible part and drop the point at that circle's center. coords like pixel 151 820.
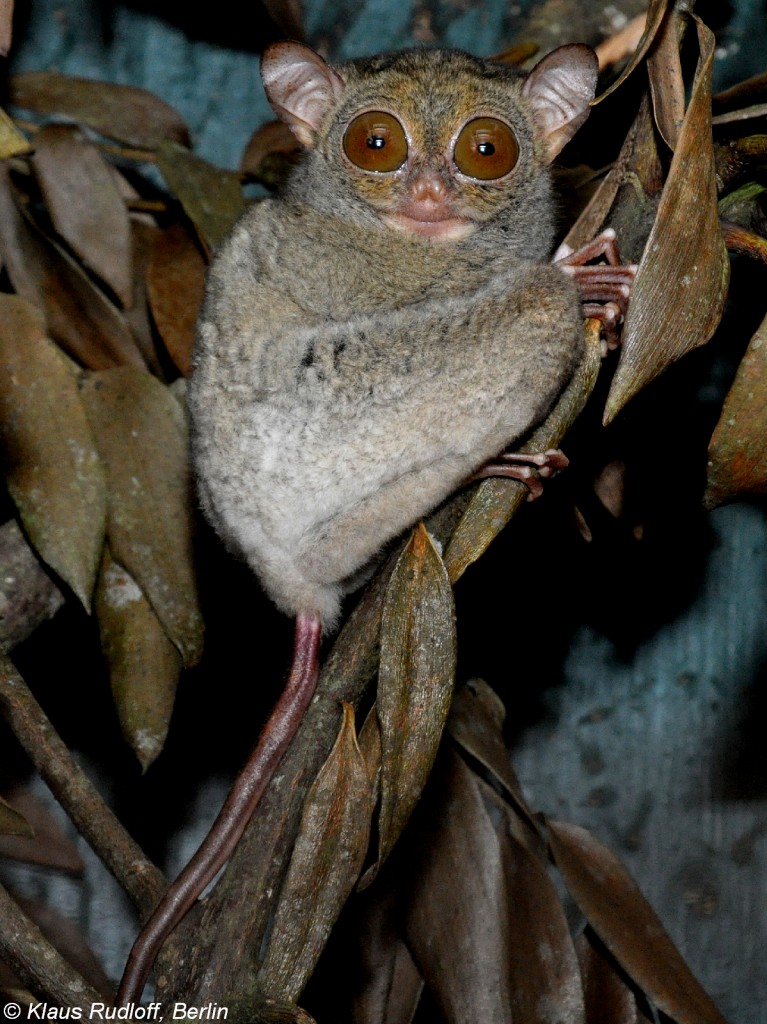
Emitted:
pixel 528 468
pixel 604 287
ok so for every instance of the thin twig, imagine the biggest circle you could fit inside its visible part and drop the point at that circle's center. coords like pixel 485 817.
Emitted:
pixel 41 968
pixel 123 857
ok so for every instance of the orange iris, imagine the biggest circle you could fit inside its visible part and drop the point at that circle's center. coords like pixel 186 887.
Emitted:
pixel 486 149
pixel 376 141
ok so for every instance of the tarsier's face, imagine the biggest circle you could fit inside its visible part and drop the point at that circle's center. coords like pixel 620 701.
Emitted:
pixel 430 187
pixel 435 142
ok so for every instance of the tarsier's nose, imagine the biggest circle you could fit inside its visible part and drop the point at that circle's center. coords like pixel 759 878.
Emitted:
pixel 428 186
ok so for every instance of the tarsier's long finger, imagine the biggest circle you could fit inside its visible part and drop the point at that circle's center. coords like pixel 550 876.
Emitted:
pixel 605 244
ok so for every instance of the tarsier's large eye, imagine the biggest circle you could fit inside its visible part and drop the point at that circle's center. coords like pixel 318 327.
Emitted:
pixel 376 141
pixel 486 149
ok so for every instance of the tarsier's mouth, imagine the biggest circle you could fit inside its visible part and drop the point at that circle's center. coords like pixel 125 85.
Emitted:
pixel 438 227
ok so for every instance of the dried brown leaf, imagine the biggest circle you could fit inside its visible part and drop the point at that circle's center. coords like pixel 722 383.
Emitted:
pixel 476 724
pixel 78 315
pixel 176 282
pixel 211 196
pixel 387 985
pixel 656 10
pixel 737 455
pixel 415 679
pixel 681 284
pixel 495 501
pixel 609 1000
pixel 623 43
pixel 13 823
pixel 544 974
pixel 638 169
pixel 664 69
pixel 12 142
pixel 269 140
pixel 326 862
pixel 84 204
pixel 457 900
pixel 744 114
pixel 6 27
pixel 144 665
pixel 623 919
pixel 610 487
pixel 143 236
pixel 53 471
pixel 141 438
pixel 48 846
pixel 122 112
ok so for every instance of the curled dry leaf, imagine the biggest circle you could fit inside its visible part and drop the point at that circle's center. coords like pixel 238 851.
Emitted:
pixel 415 679
pixel 656 11
pixel 664 69
pixel 141 438
pixel 326 862
pixel 144 666
pixel 628 926
pixel 78 315
pixel 211 196
pixel 622 43
pixel 46 845
pixel 130 115
pixel 637 172
pixel 495 501
pixel 737 455
pixel 53 471
pixel 84 204
pixel 176 282
pixel 12 822
pixel 681 285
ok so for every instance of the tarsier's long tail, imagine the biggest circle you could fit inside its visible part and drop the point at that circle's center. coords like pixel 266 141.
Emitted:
pixel 236 812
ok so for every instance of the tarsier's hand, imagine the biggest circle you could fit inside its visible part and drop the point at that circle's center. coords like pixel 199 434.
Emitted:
pixel 604 287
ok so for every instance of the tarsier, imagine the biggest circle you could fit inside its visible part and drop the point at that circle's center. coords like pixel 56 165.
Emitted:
pixel 373 337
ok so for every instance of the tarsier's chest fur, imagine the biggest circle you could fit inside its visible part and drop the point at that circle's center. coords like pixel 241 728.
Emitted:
pixel 370 339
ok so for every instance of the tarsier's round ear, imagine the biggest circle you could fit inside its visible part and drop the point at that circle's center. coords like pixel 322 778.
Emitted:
pixel 300 86
pixel 560 88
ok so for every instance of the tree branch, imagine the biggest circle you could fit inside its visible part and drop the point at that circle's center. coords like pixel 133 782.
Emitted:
pixel 123 857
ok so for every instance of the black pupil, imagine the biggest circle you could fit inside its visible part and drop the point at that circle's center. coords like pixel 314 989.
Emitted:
pixel 376 142
pixel 486 149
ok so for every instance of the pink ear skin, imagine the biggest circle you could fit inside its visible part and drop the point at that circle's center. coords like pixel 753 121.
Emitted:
pixel 300 86
pixel 560 88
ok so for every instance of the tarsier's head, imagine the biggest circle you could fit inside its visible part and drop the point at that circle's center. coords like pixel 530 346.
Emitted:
pixel 432 143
